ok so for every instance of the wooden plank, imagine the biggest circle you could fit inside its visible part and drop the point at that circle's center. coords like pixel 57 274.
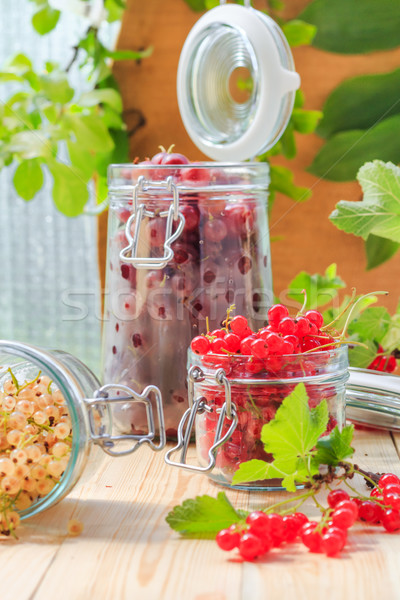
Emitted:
pixel 127 551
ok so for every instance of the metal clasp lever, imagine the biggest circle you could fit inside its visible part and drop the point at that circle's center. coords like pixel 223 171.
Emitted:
pixel 100 404
pixel 199 406
pixel 129 253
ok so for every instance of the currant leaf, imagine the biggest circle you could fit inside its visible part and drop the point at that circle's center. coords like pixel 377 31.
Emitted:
pixel 203 514
pixel 289 471
pixel 335 447
pixel 295 429
pixel 320 289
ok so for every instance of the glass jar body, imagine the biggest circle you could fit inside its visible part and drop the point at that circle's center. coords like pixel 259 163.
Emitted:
pixel 76 382
pixel 221 257
pixel 256 399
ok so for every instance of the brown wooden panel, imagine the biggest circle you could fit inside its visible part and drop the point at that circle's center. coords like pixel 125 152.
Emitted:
pixel 311 241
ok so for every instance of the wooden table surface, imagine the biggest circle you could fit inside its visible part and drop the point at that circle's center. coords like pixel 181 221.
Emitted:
pixel 128 552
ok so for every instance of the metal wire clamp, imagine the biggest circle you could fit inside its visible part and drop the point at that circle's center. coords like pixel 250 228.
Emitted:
pixel 99 411
pixel 129 254
pixel 199 406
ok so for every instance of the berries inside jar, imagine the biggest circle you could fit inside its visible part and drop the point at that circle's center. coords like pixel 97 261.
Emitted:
pixel 263 367
pixel 35 445
pixel 219 254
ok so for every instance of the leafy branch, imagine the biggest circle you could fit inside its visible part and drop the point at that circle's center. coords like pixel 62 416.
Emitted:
pixel 48 126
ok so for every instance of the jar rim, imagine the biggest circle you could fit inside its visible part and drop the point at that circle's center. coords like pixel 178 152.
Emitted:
pixel 232 177
pixel 331 363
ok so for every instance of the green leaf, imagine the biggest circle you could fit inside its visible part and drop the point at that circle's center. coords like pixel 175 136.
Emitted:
pixel 28 178
pixel 354 26
pixel 305 121
pixel 82 159
pixel 360 102
pixel 70 192
pixel 115 10
pixel 129 54
pixel 204 514
pixel 372 324
pixel 45 19
pixel 105 96
pixel 299 33
pixel 320 289
pixel 30 144
pixel 282 181
pixel 90 132
pixel 197 5
pixel 335 447
pixel 362 357
pixel 344 153
pixel 56 87
pixel 379 250
pixel 291 471
pixel 379 211
pixel 295 429
pixel 288 142
pixel 19 64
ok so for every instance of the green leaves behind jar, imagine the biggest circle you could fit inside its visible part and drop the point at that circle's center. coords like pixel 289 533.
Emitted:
pixel 354 26
pixel 378 214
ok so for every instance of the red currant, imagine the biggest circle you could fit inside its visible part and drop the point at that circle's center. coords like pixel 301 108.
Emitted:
pixel 369 511
pixel 314 316
pixel 286 326
pixel 200 344
pixel 311 539
pixel 387 479
pixel 250 546
pixel 276 313
pixel 336 496
pixel 331 543
pixel 259 349
pixel 349 505
pixel 391 520
pixel 343 518
pixel 238 324
pixel 228 540
pixel 258 522
pixel 232 341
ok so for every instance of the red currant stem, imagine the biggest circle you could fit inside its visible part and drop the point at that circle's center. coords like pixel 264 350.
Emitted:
pixel 342 312
pixel 294 508
pixel 14 379
pixel 321 508
pixel 207 325
pixel 29 382
pixel 303 308
pixel 172 146
pixel 255 407
pixel 162 149
pixel 228 317
pixel 302 497
pixel 349 316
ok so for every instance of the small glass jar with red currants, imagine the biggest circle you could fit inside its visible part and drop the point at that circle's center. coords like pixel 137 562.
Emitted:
pixel 184 240
pixel 238 378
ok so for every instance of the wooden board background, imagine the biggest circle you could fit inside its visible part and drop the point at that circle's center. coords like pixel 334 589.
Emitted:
pixel 310 241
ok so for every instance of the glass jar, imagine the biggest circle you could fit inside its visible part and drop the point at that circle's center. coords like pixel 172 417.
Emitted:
pixel 90 409
pixel 184 242
pixel 232 398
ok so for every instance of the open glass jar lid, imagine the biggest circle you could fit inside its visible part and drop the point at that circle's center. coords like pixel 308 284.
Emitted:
pixel 236 82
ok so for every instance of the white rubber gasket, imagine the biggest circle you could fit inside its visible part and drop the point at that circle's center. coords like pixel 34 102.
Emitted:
pixel 274 83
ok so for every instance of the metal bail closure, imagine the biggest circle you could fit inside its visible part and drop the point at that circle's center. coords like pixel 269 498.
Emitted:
pixel 99 409
pixel 130 253
pixel 199 406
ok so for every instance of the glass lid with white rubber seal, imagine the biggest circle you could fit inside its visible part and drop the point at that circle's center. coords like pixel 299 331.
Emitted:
pixel 236 83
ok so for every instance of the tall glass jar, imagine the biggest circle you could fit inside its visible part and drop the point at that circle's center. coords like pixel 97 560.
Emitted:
pixel 233 397
pixel 184 242
pixel 90 410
